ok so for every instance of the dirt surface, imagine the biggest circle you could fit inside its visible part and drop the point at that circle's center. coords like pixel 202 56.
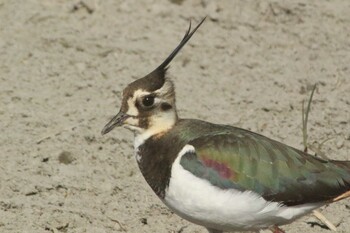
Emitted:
pixel 62 69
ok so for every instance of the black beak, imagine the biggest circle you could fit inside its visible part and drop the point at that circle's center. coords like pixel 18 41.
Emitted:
pixel 118 120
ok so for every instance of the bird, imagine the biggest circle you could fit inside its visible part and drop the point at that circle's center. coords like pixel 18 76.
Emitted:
pixel 221 177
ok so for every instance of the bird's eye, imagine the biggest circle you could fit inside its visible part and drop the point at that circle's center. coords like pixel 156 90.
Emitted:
pixel 148 101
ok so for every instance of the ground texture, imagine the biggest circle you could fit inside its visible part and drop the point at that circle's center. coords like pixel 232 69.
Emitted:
pixel 63 65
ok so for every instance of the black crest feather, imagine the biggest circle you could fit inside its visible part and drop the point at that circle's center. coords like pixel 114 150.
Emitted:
pixel 155 80
pixel 184 40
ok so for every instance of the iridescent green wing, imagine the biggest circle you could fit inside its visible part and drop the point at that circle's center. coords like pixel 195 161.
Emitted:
pixel 242 160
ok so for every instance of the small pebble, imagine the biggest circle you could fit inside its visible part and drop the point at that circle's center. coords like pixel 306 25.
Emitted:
pixel 66 157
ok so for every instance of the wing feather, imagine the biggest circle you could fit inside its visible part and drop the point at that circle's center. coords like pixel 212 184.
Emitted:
pixel 239 159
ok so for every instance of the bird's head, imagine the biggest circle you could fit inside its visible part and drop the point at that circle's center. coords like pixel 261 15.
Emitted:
pixel 148 104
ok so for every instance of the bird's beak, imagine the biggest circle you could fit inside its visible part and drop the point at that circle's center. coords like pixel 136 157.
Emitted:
pixel 118 120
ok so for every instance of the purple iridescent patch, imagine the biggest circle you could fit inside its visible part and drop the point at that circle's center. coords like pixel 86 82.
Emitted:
pixel 221 168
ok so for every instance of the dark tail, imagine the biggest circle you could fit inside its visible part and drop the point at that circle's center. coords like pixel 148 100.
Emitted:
pixel 346 166
pixel 343 164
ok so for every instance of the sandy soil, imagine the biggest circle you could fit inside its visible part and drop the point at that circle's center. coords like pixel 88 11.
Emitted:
pixel 62 71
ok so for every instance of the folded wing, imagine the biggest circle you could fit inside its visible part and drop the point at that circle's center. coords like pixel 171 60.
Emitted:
pixel 242 160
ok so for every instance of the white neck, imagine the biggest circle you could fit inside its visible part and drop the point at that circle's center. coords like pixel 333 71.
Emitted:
pixel 158 124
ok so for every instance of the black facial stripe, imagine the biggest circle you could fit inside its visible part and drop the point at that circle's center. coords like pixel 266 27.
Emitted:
pixel 165 106
pixel 143 122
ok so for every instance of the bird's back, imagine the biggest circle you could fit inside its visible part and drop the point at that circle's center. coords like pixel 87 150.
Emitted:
pixel 254 162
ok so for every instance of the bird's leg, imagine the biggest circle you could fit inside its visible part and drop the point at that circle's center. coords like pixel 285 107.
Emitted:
pixel 276 229
pixel 210 230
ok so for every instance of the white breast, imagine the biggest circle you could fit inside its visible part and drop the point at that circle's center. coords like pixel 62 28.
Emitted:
pixel 200 202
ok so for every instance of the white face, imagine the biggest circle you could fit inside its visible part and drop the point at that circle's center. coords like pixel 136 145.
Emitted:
pixel 151 112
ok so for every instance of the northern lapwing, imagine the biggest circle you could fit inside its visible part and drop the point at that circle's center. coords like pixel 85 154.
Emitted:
pixel 219 176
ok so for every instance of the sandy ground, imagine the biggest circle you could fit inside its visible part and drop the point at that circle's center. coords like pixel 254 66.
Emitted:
pixel 251 64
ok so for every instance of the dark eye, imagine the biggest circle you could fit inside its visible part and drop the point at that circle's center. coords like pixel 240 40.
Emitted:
pixel 148 101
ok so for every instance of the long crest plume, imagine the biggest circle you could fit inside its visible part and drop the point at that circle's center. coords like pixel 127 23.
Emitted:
pixel 184 40
pixel 156 79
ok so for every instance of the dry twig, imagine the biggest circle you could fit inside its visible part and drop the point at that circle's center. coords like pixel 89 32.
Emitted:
pixel 305 117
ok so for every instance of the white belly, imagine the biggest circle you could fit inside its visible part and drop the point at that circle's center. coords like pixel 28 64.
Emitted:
pixel 200 202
